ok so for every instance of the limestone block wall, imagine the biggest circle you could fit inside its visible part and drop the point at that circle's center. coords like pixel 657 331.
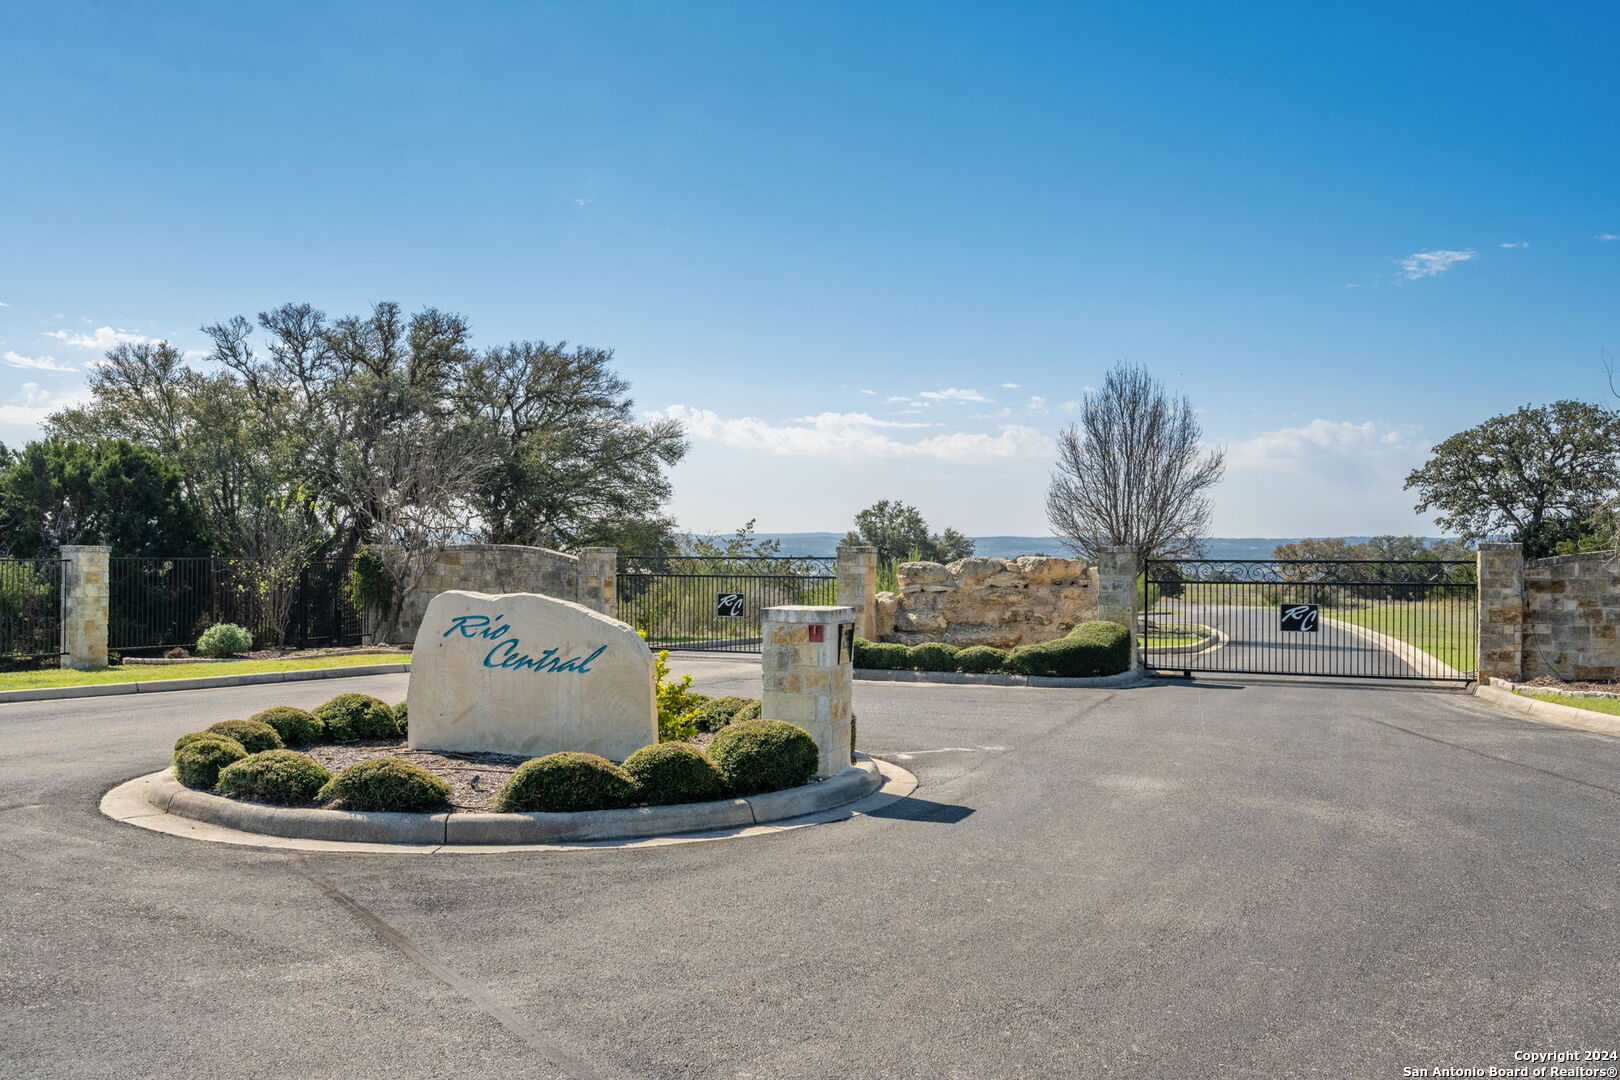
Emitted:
pixel 505 568
pixel 987 601
pixel 1572 616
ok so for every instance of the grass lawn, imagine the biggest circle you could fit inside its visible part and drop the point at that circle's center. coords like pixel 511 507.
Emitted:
pixel 1444 630
pixel 1161 637
pixel 1161 641
pixel 1591 704
pixel 28 680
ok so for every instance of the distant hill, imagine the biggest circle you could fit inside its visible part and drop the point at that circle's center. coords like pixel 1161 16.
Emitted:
pixel 1010 547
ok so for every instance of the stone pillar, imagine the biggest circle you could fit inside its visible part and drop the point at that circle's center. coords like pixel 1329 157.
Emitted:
pixel 1116 591
pixel 84 606
pixel 808 679
pixel 599 580
pixel 1501 611
pixel 857 587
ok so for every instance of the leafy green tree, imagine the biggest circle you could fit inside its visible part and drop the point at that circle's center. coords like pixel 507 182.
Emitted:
pixel 311 434
pixel 1537 475
pixel 61 491
pixel 899 532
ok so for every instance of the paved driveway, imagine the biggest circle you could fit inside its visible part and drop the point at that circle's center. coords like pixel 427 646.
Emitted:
pixel 1211 879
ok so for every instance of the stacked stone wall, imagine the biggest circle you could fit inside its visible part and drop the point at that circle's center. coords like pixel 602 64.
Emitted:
pixel 987 601
pixel 1572 617
pixel 502 568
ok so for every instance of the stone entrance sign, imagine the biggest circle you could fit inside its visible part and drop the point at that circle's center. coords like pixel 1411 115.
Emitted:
pixel 527 674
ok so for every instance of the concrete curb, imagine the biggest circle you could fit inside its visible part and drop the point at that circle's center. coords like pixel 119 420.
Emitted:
pixel 164 794
pixel 1213 639
pixel 1549 712
pixel 963 678
pixel 205 682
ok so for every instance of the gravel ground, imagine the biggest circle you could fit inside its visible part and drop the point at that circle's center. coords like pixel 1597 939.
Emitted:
pixel 1547 682
pixel 475 777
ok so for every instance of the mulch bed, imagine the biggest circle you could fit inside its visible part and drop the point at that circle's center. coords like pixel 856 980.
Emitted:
pixel 1547 682
pixel 475 777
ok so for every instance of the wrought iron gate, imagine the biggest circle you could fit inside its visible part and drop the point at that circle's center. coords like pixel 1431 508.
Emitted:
pixel 713 603
pixel 1344 618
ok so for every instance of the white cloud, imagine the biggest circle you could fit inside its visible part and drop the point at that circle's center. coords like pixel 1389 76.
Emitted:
pixel 1324 478
pixel 961 397
pixel 1037 404
pixel 1352 285
pixel 4 304
pixel 103 337
pixel 33 363
pixel 1318 437
pixel 872 393
pixel 1070 406
pixel 582 202
pixel 1009 386
pixel 1422 264
pixel 900 398
pixel 856 435
pixel 34 404
pixel 1608 236
pixel 1515 244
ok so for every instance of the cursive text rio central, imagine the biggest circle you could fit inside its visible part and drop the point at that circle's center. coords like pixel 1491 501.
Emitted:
pixel 507 652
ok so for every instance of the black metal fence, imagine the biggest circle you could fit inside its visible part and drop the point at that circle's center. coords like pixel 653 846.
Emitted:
pixel 158 604
pixel 714 603
pixel 30 610
pixel 1350 618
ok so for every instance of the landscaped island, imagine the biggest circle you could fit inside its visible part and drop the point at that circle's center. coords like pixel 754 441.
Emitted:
pixel 363 739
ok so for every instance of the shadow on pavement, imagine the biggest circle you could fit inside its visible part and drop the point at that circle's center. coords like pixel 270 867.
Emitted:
pixel 911 809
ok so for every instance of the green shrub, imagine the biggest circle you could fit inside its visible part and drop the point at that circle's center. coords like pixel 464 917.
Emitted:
pixel 674 772
pixel 274 776
pixel 198 736
pixel 567 782
pixel 1089 650
pixel 883 656
pixel 718 712
pixel 763 755
pixel 862 646
pixel 295 726
pixel 981 658
pixel 386 784
pixel 224 639
pixel 348 717
pixel 933 656
pixel 254 735
pixel 197 763
pixel 402 720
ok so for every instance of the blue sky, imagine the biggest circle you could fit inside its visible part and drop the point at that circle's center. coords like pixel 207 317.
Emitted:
pixel 864 250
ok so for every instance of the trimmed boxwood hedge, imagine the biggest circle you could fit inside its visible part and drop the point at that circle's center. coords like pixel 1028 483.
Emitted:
pixel 1090 650
pixel 285 777
pixel 885 656
pixel 566 782
pixel 386 784
pixel 755 756
pixel 674 772
pixel 933 656
pixel 196 736
pixel 978 659
pixel 197 764
pixel 356 716
pixel 718 712
pixel 402 720
pixel 254 735
pixel 295 726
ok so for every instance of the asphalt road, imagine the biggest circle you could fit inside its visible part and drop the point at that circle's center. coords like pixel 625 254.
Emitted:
pixel 1211 879
pixel 1256 643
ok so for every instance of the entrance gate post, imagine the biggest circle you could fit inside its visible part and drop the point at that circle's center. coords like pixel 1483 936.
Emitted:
pixel 1116 592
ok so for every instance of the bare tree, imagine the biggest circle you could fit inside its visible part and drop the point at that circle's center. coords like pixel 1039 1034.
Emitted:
pixel 418 484
pixel 1133 472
